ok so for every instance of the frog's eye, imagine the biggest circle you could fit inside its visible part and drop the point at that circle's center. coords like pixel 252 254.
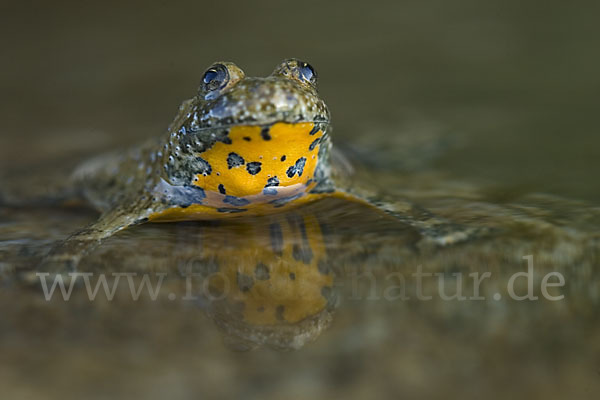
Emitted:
pixel 298 70
pixel 218 78
pixel 307 72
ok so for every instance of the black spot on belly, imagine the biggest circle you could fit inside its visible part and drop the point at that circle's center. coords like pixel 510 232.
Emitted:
pixel 184 196
pixel 234 160
pixel 291 171
pixel 261 272
pixel 274 181
pixel 235 201
pixel 269 191
pixel 253 167
pixel 231 210
pixel 244 282
pixel 276 238
pixel 314 144
pixel 265 133
pixel 202 166
pixel 292 276
pixel 247 138
pixel 222 189
pixel 283 157
pixel 314 130
pixel 297 168
pixel 279 313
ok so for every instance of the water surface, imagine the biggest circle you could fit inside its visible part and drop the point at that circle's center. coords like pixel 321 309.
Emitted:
pixel 484 113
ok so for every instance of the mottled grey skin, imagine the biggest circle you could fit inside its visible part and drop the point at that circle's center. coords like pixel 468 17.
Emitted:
pixel 169 163
pixel 128 187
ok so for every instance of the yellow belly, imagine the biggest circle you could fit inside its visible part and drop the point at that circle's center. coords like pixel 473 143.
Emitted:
pixel 286 144
pixel 259 171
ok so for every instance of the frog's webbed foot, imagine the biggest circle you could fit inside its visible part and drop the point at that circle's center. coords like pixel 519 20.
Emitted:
pixel 65 256
pixel 435 230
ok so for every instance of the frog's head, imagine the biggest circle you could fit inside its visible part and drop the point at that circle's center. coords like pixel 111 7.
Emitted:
pixel 227 97
pixel 251 141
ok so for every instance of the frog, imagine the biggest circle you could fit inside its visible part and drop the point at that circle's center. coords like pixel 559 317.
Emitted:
pixel 240 147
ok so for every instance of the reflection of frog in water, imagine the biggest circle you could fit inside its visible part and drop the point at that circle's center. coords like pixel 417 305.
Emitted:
pixel 241 147
pixel 273 280
pixel 265 280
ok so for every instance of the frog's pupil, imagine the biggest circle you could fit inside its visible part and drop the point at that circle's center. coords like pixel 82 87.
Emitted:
pixel 307 72
pixel 216 77
pixel 210 75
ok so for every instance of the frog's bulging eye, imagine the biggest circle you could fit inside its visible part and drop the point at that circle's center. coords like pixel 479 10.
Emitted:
pixel 219 78
pixel 216 77
pixel 298 70
pixel 307 72
pixel 210 76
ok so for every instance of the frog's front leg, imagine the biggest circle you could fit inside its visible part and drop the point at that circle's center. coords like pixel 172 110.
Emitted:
pixel 435 230
pixel 64 257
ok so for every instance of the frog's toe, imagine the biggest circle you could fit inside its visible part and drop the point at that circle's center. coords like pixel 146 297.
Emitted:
pixel 447 234
pixel 436 230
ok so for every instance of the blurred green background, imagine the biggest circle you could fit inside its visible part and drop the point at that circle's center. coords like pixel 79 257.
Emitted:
pixel 515 83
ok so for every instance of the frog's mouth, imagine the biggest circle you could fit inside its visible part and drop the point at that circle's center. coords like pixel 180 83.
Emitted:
pixel 261 164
